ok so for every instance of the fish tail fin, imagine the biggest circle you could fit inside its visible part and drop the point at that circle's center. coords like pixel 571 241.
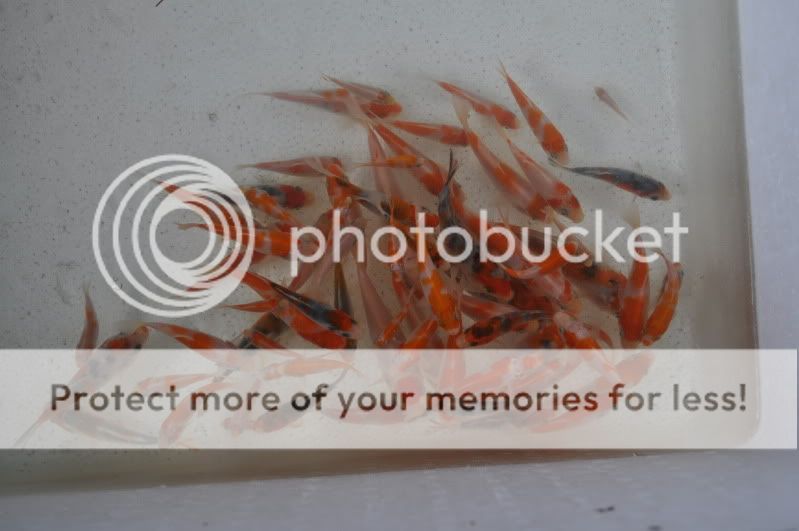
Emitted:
pixel 503 70
pixel 461 111
pixel 187 226
pixel 25 437
pixel 354 110
pixel 632 215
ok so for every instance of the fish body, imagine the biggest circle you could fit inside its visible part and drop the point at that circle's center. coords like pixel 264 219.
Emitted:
pixel 606 98
pixel 428 173
pixel 504 116
pixel 312 166
pixel 288 196
pixel 485 331
pixel 551 140
pixel 636 183
pixel 556 194
pixel 517 190
pixel 663 312
pixel 634 304
pixel 451 135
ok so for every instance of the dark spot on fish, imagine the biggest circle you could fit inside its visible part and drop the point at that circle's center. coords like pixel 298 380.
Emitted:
pixel 608 509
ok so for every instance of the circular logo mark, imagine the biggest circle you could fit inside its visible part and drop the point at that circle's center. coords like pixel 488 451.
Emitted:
pixel 137 203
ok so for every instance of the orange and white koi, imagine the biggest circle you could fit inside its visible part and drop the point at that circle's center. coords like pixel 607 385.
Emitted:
pixel 301 167
pixel 335 101
pixel 556 194
pixel 440 298
pixel 480 307
pixel 580 336
pixel 378 317
pixel 404 161
pixel 517 190
pixel 634 299
pixel 420 338
pixel 661 316
pixel 445 134
pixel 95 368
pixel 266 241
pixel 402 210
pixel 428 173
pixel 487 330
pixel 551 140
pixel 504 116
pixel 309 329
pixel 261 199
pixel 288 196
pixel 384 178
pixel 376 101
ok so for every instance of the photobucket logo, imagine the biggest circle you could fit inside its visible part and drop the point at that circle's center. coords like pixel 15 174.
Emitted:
pixel 130 215
pixel 499 243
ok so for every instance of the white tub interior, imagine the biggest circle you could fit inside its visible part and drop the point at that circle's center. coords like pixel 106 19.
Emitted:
pixel 92 89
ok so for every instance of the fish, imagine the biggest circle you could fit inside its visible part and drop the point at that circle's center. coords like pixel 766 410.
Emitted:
pixel 550 139
pixel 378 316
pixel 517 190
pixel 91 330
pixel 341 298
pixel 635 297
pixel 451 135
pixel 266 241
pixel 487 330
pixel 336 321
pixel 193 339
pixel 480 307
pixel 663 312
pixel 300 167
pixel 504 116
pixel 636 183
pixel 377 101
pixel 288 196
pixel 428 173
pixel 394 327
pixel 302 367
pixel 402 210
pixel 266 202
pixel 556 194
pixel 605 98
pixel 362 91
pixel 399 161
pixel 580 336
pixel 385 180
pixel 440 298
pixel 420 338
pixel 336 101
pixel 309 329
pixel 95 368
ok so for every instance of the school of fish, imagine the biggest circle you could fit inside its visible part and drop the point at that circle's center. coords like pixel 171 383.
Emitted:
pixel 432 303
